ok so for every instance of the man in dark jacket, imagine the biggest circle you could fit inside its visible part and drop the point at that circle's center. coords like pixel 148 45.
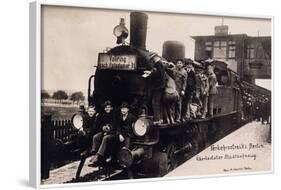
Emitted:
pixel 90 120
pixel 266 109
pixel 180 77
pixel 124 125
pixel 106 134
pixel 157 81
pixel 202 92
pixel 171 95
pixel 212 88
pixel 189 91
pixel 88 130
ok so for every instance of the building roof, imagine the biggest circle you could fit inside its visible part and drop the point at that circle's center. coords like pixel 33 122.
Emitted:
pixel 230 35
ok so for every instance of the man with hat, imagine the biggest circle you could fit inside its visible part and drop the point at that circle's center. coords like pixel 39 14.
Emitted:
pixel 189 90
pixel 202 91
pixel 180 77
pixel 156 80
pixel 106 134
pixel 124 125
pixel 171 95
pixel 88 130
pixel 212 88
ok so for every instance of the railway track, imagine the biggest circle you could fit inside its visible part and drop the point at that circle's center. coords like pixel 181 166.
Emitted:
pixel 119 174
pixel 101 175
pixel 113 174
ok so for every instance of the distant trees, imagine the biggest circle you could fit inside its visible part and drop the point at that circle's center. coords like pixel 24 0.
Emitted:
pixel 60 95
pixel 45 95
pixel 77 97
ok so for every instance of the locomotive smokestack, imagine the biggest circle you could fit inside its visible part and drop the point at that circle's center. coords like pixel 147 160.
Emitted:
pixel 138 29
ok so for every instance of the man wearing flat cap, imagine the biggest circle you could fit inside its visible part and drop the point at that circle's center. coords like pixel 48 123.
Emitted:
pixel 180 77
pixel 106 134
pixel 213 91
pixel 189 90
pixel 124 125
pixel 156 81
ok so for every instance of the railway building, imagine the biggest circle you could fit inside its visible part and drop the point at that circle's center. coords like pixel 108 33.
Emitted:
pixel 249 56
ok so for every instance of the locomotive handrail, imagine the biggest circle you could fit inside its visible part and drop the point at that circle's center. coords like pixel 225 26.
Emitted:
pixel 89 87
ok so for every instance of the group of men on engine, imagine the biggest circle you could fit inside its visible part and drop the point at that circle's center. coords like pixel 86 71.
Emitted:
pixel 175 89
pixel 106 129
pixel 179 92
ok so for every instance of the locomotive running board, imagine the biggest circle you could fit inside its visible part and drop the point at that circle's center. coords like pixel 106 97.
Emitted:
pixel 177 124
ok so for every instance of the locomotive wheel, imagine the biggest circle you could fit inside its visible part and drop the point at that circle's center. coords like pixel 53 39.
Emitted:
pixel 159 164
pixel 172 162
pixel 195 146
pixel 194 150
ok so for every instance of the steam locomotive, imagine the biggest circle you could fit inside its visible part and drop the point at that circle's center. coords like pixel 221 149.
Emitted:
pixel 158 148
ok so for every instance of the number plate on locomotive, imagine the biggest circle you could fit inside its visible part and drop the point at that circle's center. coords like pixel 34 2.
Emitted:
pixel 117 62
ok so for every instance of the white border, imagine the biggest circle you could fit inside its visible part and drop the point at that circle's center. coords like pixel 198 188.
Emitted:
pixel 35 95
pixel 35 89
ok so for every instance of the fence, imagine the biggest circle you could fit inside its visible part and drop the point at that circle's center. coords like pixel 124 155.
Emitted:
pixel 50 131
pixel 61 129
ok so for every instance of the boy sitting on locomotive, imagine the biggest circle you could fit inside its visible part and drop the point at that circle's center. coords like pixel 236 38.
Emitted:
pixel 89 129
pixel 124 124
pixel 105 136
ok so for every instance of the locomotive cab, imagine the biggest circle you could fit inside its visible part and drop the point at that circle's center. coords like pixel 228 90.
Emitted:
pixel 228 93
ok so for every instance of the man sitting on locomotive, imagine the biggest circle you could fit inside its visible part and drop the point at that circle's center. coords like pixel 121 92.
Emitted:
pixel 89 129
pixel 105 136
pixel 124 125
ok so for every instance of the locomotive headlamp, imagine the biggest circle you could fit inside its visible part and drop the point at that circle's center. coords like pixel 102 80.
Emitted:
pixel 141 126
pixel 121 32
pixel 77 121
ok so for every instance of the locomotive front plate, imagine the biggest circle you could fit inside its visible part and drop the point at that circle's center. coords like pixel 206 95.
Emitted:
pixel 117 62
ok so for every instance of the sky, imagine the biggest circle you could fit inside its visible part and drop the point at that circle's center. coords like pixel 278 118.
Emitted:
pixel 73 37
